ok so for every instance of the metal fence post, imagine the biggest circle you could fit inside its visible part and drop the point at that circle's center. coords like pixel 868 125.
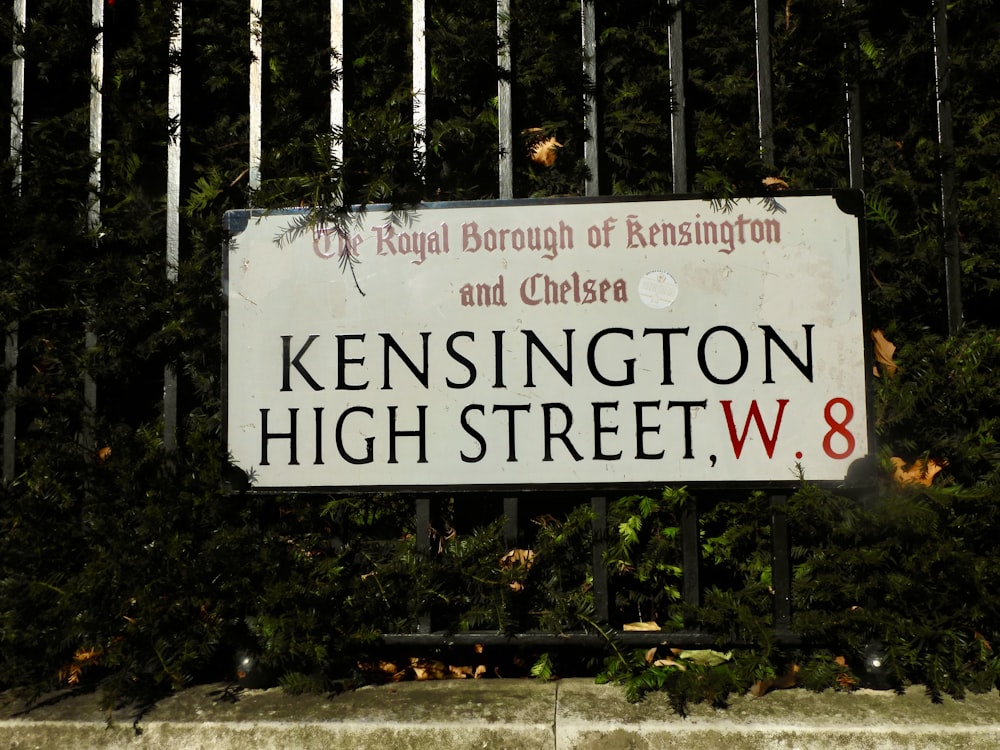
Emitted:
pixel 678 111
pixel 781 566
pixel 946 151
pixel 425 547
pixel 765 116
pixel 173 208
pixel 256 77
pixel 337 89
pixel 94 198
pixel 599 547
pixel 511 522
pixel 10 413
pixel 690 555
pixel 852 91
pixel 418 51
pixel 16 141
pixel 506 139
pixel 588 13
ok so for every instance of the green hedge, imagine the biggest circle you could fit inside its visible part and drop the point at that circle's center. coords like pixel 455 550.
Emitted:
pixel 140 570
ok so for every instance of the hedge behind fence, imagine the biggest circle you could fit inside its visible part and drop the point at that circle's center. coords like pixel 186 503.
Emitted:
pixel 142 569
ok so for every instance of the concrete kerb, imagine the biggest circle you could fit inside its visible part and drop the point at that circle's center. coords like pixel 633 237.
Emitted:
pixel 573 714
pixel 591 717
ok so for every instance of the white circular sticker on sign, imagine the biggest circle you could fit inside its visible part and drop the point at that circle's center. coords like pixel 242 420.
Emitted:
pixel 658 289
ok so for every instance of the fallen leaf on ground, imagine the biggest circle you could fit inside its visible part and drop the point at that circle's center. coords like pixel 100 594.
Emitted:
pixel 787 680
pixel 705 657
pixel 463 672
pixel 429 669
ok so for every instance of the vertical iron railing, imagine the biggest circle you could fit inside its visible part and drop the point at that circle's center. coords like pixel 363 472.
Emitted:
pixel 11 331
pixel 781 568
pixel 256 77
pixel 17 90
pixel 765 117
pixel 588 52
pixel 173 206
pixel 678 104
pixel 96 115
pixel 946 159
pixel 852 111
pixel 94 200
pixel 418 48
pixel 337 89
pixel 10 411
pixel 505 135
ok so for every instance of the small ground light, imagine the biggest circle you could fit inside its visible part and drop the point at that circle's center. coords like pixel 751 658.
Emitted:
pixel 876 672
pixel 249 673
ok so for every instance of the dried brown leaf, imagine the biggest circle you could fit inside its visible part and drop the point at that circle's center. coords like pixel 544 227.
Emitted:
pixel 544 151
pixel 642 627
pixel 546 520
pixel 521 557
pixel 922 471
pixel 760 687
pixel 884 350
pixel 788 680
pixel 82 659
pixel 846 682
pixel 669 663
pixel 429 669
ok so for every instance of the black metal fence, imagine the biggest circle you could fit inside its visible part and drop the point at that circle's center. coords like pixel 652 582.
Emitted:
pixel 257 24
pixel 691 588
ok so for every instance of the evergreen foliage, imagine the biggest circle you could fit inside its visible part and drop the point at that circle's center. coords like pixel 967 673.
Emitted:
pixel 139 570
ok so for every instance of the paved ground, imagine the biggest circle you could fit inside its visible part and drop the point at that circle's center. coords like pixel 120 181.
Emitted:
pixel 511 714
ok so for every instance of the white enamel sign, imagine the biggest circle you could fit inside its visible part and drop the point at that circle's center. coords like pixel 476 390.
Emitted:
pixel 549 343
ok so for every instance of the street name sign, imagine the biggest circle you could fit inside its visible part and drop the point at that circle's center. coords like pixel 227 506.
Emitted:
pixel 570 343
